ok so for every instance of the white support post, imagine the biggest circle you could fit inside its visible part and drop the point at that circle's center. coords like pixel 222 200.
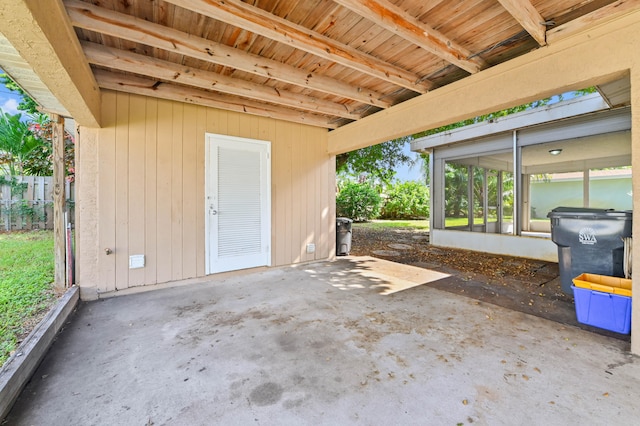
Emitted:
pixel 517 185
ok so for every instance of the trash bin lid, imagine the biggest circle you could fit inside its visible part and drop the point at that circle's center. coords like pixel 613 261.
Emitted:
pixel 343 220
pixel 587 213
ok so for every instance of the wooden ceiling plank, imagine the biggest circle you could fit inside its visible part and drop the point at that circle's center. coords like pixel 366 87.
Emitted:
pixel 528 17
pixel 394 19
pixel 94 18
pixel 147 87
pixel 251 18
pixel 611 11
pixel 168 71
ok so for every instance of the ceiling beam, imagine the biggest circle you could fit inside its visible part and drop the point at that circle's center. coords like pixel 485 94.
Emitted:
pixel 104 21
pixel 122 60
pixel 597 17
pixel 155 89
pixel 528 17
pixel 557 68
pixel 396 20
pixel 44 38
pixel 258 21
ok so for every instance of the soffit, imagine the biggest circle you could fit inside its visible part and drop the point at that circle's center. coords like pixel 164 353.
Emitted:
pixel 321 62
pixel 19 69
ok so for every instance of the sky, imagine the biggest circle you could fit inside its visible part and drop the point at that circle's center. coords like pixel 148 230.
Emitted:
pixel 8 100
pixel 405 173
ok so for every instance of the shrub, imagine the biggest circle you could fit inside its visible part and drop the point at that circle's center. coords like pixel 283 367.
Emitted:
pixel 407 200
pixel 358 201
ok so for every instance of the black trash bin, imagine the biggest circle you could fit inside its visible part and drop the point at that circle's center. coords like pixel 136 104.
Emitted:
pixel 343 236
pixel 589 240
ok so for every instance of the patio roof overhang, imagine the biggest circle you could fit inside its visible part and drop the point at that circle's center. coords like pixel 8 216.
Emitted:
pixel 40 51
pixel 328 64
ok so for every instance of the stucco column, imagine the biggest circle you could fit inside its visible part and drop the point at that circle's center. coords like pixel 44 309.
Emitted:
pixel 635 186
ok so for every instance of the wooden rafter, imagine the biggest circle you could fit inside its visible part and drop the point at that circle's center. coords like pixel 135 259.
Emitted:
pixel 609 11
pixel 287 38
pixel 256 20
pixel 394 19
pixel 122 60
pixel 155 89
pixel 108 22
pixel 528 17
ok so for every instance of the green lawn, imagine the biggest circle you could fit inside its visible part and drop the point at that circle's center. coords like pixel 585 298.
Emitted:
pixel 26 274
pixel 462 221
pixel 377 224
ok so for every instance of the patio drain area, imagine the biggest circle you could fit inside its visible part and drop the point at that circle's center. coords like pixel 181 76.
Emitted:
pixel 321 344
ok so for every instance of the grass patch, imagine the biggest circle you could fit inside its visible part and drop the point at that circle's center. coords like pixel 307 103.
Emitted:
pixel 26 274
pixel 463 221
pixel 380 224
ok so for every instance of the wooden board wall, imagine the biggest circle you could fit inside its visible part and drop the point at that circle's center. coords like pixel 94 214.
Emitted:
pixel 150 188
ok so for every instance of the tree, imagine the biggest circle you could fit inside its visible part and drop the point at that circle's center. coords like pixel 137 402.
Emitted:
pixel 16 143
pixel 456 192
pixel 38 160
pixel 358 201
pixel 377 162
pixel 406 200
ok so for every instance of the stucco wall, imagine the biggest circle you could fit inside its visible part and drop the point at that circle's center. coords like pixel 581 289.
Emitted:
pixel 148 196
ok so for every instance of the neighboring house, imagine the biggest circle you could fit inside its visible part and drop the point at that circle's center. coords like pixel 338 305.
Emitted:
pixel 190 109
pixel 607 189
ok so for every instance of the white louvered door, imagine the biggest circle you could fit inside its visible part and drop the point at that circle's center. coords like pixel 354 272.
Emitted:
pixel 238 203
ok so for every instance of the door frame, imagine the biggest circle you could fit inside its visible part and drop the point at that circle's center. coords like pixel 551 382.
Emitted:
pixel 208 182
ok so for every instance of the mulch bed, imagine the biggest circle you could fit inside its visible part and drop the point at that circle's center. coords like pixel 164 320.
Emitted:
pixel 524 285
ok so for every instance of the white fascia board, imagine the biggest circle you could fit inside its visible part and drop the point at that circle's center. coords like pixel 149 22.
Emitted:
pixel 486 146
pixel 558 111
pixel 616 120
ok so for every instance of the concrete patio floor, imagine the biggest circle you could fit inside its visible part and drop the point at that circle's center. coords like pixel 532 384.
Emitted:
pixel 320 344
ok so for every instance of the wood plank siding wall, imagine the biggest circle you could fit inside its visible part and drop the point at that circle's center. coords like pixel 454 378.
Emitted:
pixel 149 190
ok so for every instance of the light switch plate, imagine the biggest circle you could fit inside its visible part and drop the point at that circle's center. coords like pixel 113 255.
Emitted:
pixel 136 261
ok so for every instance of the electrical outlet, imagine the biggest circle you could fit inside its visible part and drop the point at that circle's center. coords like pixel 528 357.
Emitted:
pixel 311 248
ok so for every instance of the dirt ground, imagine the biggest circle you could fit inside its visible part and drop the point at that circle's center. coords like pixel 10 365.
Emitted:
pixel 525 285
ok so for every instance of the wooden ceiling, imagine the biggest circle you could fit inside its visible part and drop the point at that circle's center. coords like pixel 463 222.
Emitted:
pixel 323 62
